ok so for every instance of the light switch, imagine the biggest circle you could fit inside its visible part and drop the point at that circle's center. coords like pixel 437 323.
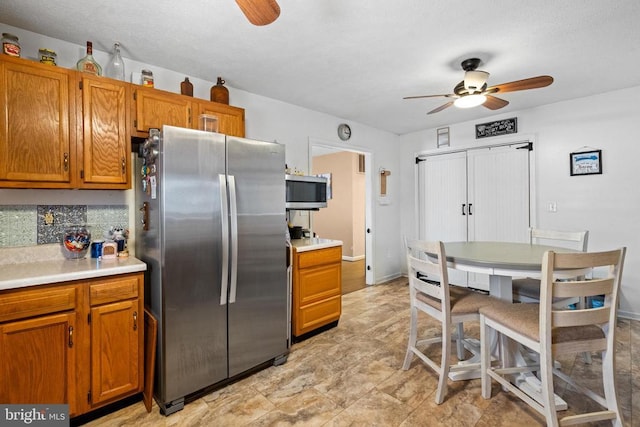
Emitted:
pixel 553 207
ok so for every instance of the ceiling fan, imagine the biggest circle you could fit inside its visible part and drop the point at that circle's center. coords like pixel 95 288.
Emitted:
pixel 260 12
pixel 473 90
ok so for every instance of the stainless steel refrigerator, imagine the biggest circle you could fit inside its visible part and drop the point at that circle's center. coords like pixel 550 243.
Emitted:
pixel 212 232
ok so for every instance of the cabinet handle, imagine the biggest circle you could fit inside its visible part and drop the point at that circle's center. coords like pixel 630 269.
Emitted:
pixel 124 166
pixel 66 162
pixel 135 320
pixel 470 204
pixel 463 205
pixel 70 336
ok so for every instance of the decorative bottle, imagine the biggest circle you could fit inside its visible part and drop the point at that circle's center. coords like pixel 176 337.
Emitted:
pixel 88 64
pixel 186 87
pixel 115 67
pixel 219 93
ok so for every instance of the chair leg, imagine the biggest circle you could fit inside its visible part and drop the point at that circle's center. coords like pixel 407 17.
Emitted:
pixel 485 359
pixel 609 383
pixel 460 341
pixel 444 363
pixel 548 396
pixel 413 336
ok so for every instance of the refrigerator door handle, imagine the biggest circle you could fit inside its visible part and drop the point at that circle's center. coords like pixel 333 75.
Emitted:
pixel 225 239
pixel 233 214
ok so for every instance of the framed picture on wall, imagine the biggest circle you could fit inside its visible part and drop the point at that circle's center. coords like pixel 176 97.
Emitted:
pixel 586 162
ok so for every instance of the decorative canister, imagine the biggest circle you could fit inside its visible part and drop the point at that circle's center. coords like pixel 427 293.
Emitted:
pixel 10 45
pixel 219 93
pixel 147 78
pixel 47 56
pixel 75 241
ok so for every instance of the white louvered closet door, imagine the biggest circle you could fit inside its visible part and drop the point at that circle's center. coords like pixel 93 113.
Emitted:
pixel 443 191
pixel 478 194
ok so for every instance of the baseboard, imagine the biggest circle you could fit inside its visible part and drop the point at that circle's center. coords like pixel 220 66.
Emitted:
pixel 388 278
pixel 628 315
pixel 352 258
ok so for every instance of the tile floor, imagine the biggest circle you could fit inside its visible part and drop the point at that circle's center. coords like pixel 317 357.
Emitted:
pixel 350 375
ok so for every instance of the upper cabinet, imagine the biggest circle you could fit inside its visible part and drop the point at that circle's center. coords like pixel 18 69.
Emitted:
pixel 37 127
pixel 62 129
pixel 154 108
pixel 105 143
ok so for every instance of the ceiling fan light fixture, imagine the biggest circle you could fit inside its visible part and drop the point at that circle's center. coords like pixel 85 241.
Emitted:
pixel 470 101
pixel 474 81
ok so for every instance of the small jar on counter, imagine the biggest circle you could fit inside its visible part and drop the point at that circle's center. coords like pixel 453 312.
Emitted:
pixel 147 78
pixel 47 56
pixel 10 45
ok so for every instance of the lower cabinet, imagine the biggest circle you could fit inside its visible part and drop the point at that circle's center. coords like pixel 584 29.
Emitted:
pixel 79 343
pixel 317 289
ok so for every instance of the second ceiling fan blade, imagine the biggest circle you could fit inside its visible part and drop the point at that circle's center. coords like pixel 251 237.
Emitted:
pixel 531 83
pixel 427 96
pixel 494 103
pixel 442 107
pixel 260 12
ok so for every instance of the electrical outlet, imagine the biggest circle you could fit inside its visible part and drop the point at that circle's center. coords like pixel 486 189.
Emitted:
pixel 553 207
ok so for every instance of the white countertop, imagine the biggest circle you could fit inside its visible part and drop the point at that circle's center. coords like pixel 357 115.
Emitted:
pixel 311 244
pixel 42 272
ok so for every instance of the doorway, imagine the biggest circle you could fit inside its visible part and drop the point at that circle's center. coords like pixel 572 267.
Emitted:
pixel 348 215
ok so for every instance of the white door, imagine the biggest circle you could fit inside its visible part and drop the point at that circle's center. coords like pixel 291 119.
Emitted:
pixel 498 198
pixel 442 201
pixel 479 194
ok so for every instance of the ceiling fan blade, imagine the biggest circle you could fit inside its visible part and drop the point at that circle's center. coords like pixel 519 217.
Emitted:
pixel 531 83
pixel 427 96
pixel 494 103
pixel 442 107
pixel 260 12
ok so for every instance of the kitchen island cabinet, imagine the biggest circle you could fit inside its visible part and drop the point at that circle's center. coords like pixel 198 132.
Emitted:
pixel 155 108
pixel 317 285
pixel 60 128
pixel 78 342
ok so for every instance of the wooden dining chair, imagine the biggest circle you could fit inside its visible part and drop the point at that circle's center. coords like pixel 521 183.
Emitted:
pixel 528 289
pixel 430 293
pixel 551 331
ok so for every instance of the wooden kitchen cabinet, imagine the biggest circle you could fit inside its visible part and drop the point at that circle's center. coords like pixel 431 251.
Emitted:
pixel 60 128
pixel 155 108
pixel 78 342
pixel 317 289
pixel 104 145
pixel 37 125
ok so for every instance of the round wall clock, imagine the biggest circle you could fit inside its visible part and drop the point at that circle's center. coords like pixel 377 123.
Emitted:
pixel 344 132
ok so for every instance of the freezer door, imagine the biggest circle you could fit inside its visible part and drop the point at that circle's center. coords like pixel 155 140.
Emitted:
pixel 194 338
pixel 258 297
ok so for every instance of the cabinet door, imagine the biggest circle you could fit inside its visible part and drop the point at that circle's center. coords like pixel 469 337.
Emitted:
pixel 115 350
pixel 230 119
pixel 35 124
pixel 155 108
pixel 38 361
pixel 106 142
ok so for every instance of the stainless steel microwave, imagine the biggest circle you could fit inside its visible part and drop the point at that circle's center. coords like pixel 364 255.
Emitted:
pixel 306 192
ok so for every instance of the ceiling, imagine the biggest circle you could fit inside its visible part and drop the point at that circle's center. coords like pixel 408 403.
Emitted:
pixel 357 59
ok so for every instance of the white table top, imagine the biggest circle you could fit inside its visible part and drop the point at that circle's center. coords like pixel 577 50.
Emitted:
pixel 499 255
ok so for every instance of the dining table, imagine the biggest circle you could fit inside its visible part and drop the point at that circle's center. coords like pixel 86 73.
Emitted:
pixel 503 261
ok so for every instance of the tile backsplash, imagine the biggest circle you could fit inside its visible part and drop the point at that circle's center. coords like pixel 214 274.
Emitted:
pixel 28 225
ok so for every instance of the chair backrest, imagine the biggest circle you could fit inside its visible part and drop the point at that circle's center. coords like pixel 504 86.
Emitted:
pixel 577 240
pixel 427 270
pixel 551 287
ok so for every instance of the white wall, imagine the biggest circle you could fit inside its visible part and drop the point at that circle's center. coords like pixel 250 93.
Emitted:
pixel 607 205
pixel 266 119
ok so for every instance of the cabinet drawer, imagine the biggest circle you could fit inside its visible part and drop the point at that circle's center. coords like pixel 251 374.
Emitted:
pixel 318 314
pixel 114 290
pixel 319 257
pixel 35 302
pixel 319 283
